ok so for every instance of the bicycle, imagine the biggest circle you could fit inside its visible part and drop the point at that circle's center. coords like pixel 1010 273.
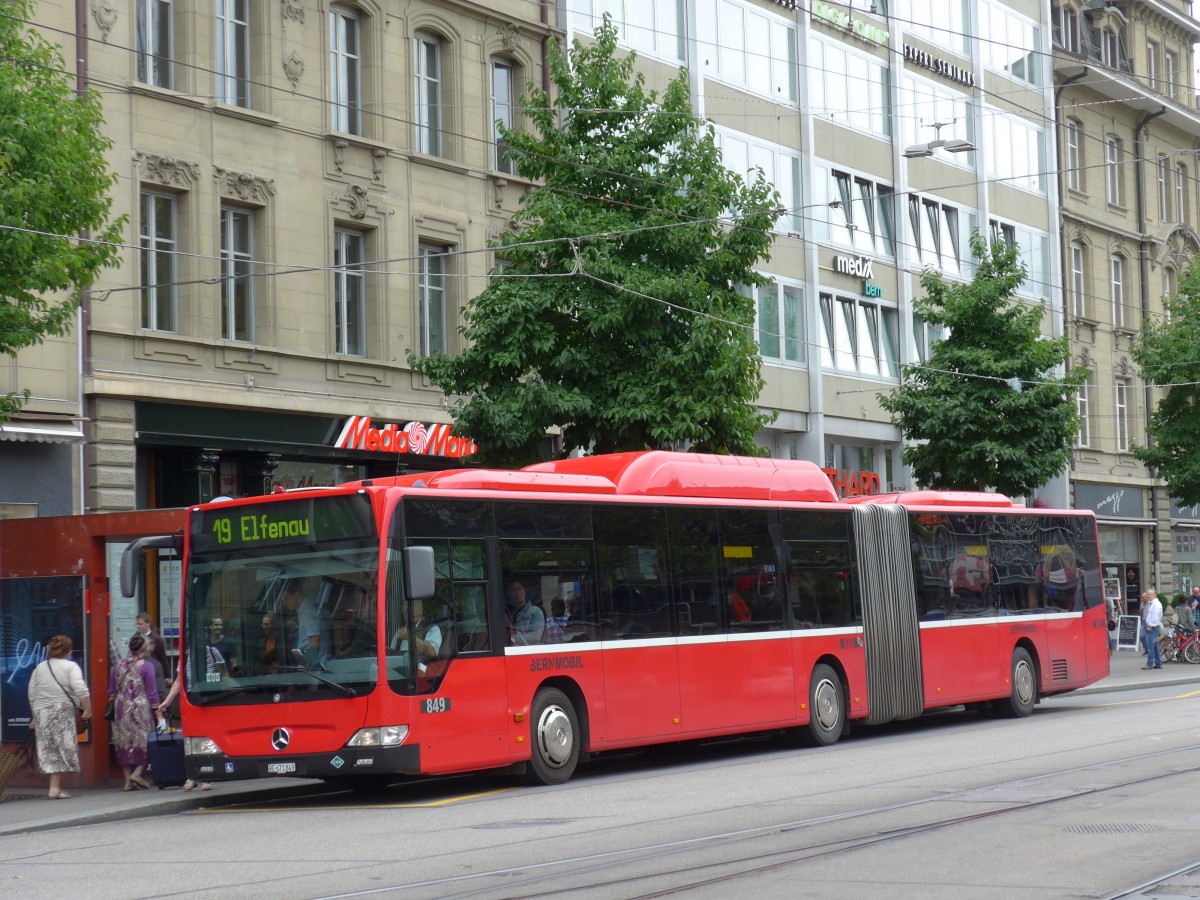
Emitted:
pixel 1180 642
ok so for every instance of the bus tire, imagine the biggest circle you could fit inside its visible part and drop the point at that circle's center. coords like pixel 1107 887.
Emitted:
pixel 554 736
pixel 826 707
pixel 1023 696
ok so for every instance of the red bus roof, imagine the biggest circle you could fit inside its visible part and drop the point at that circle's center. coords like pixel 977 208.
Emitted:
pixel 660 473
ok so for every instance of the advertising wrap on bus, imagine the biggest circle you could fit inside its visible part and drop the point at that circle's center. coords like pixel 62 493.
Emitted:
pixel 468 620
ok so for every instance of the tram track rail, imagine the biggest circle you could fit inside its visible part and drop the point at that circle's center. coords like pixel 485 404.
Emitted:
pixel 568 875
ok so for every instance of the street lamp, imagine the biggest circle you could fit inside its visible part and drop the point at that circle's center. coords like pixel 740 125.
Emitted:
pixel 953 145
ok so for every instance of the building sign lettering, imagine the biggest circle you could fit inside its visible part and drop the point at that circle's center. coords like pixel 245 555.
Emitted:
pixel 859 266
pixel 852 483
pixel 841 18
pixel 872 290
pixel 436 440
pixel 940 66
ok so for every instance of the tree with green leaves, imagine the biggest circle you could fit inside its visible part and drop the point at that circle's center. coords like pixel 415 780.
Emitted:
pixel 615 313
pixel 1168 354
pixel 986 409
pixel 54 184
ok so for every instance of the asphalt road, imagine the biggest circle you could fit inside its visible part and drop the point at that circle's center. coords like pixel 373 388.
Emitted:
pixel 1091 796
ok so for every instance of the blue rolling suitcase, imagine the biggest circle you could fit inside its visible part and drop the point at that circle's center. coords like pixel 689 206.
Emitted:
pixel 166 758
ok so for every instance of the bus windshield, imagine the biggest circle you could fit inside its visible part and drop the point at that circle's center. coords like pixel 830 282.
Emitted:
pixel 281 600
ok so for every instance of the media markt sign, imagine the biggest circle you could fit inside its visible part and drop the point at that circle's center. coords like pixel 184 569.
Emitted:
pixel 436 440
pixel 841 18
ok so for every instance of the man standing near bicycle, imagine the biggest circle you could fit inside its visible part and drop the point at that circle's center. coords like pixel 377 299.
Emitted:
pixel 1152 613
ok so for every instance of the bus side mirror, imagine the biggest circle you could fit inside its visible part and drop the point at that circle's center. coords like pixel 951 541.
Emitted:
pixel 418 572
pixel 132 554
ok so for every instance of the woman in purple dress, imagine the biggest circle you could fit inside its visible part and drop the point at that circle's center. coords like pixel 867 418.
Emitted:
pixel 132 684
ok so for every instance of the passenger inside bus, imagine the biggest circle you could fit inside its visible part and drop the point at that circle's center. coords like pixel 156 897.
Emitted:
pixel 526 622
pixel 426 637
pixel 312 633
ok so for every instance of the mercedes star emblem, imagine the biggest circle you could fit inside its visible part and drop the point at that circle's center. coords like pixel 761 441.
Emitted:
pixel 280 739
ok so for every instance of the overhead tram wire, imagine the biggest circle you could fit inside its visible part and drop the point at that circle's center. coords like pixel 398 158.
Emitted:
pixel 622 175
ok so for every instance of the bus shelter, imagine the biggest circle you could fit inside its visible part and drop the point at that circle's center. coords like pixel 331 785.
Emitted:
pixel 60 575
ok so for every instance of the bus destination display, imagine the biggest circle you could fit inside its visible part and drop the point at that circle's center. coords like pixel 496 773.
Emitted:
pixel 264 525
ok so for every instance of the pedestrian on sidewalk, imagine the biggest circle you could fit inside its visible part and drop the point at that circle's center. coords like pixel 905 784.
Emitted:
pixel 132 685
pixel 1152 615
pixel 56 688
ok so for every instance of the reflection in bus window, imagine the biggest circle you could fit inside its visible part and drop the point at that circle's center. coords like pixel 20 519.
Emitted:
pixel 631 544
pixel 755 594
pixel 821 589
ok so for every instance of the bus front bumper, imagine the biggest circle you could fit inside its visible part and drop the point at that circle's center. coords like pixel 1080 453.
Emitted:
pixel 348 761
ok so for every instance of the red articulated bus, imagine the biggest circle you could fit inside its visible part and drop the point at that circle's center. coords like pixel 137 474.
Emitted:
pixel 477 619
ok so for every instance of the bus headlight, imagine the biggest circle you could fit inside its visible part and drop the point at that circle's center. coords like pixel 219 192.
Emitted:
pixel 387 736
pixel 201 746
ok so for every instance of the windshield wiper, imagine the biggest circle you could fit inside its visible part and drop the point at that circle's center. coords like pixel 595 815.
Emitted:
pixel 233 691
pixel 298 655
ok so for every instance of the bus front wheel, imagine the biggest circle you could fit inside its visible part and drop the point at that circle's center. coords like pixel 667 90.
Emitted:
pixel 826 707
pixel 1023 696
pixel 554 731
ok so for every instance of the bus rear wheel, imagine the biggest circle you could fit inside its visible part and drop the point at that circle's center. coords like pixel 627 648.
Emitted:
pixel 826 707
pixel 1021 699
pixel 554 732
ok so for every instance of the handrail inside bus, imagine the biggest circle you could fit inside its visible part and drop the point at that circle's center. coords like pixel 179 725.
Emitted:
pixel 129 557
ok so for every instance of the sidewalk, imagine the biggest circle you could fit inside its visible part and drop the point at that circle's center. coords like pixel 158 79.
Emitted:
pixel 27 809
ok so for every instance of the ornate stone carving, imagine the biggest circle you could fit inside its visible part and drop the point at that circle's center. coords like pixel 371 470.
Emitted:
pixel 1085 358
pixel 1123 367
pixel 378 155
pixel 293 68
pixel 356 199
pixel 167 170
pixel 339 155
pixel 498 186
pixel 293 9
pixel 104 12
pixel 243 186
pixel 510 35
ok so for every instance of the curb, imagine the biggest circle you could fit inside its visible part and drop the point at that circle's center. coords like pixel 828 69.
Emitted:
pixel 185 802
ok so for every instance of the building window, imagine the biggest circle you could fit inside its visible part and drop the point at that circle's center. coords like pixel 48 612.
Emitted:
pixel 1164 196
pixel 1074 154
pixel 851 88
pixel 1121 390
pixel 863 217
pixel 652 27
pixel 1170 285
pixel 1112 170
pixel 925 337
pixel 1033 249
pixel 1110 49
pixel 1084 436
pixel 1066 29
pixel 1170 74
pixel 953 25
pixel 1181 193
pixel 345 71
pixel 237 274
pixel 159 252
pixel 1078 281
pixel 502 113
pixel 427 54
pixel 1152 66
pixel 1023 164
pixel 233 52
pixel 937 241
pixel 858 336
pixel 1010 43
pixel 431 298
pixel 1117 270
pixel 349 292
pixel 742 154
pixel 780 322
pixel 155 42
pixel 747 47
